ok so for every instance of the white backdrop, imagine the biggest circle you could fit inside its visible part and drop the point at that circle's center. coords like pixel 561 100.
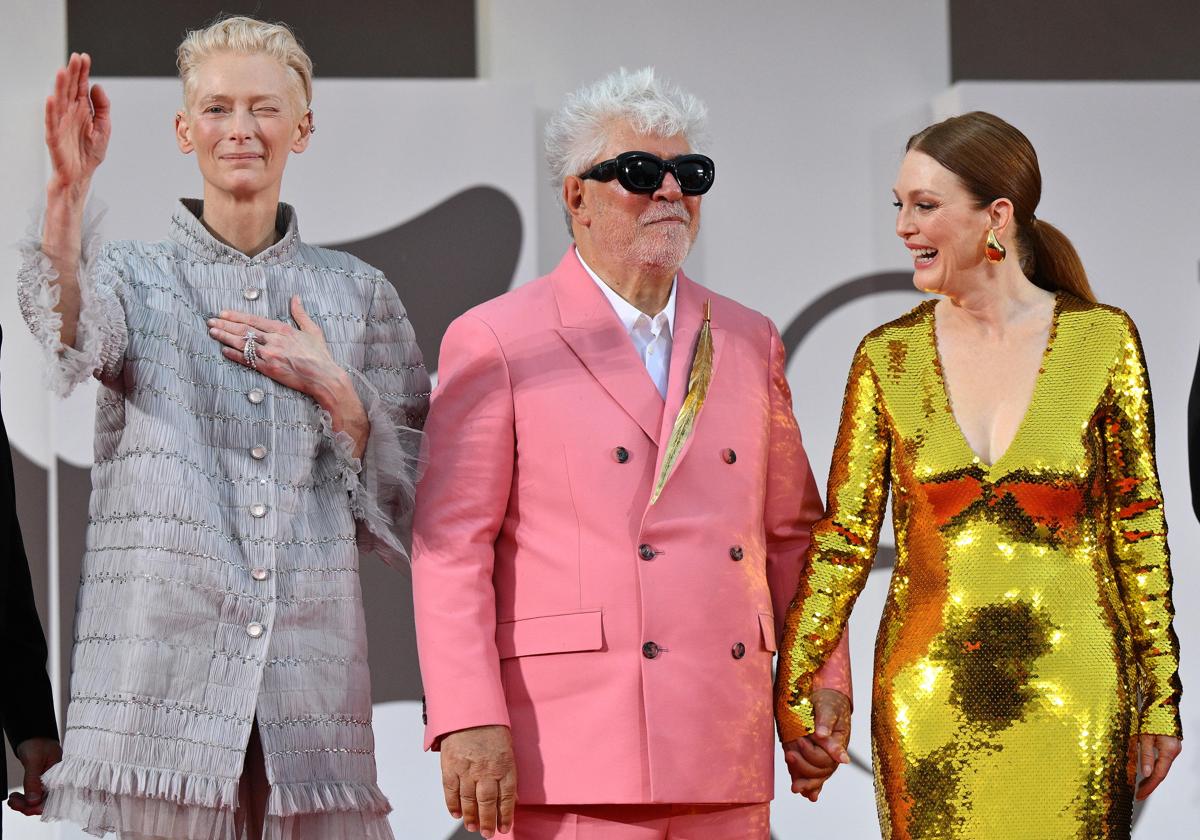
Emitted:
pixel 811 104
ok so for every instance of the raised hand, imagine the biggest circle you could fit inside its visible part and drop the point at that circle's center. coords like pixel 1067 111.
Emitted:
pixel 78 125
pixel 77 132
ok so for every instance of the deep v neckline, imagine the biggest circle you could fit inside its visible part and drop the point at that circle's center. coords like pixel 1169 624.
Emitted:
pixel 948 401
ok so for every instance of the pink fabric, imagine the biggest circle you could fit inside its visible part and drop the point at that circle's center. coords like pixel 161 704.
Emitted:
pixel 532 600
pixel 643 822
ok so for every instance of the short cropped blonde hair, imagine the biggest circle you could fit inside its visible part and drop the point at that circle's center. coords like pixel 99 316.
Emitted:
pixel 246 35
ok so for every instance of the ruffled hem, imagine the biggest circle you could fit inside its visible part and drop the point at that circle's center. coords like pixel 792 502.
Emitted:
pixel 300 811
pixel 101 327
pixel 138 818
pixel 134 817
pixel 382 485
pixel 91 778
pixel 292 799
pixel 345 825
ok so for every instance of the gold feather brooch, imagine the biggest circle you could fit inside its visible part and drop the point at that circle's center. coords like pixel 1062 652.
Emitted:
pixel 685 422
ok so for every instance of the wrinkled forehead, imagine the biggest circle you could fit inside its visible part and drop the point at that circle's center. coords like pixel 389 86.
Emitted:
pixel 621 136
pixel 243 76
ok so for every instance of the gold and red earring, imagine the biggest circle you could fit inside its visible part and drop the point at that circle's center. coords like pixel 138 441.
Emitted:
pixel 992 249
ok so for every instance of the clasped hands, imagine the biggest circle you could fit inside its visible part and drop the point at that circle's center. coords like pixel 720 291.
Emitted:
pixel 811 760
pixel 479 772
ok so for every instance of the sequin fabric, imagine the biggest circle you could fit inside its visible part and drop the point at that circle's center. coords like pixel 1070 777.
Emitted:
pixel 1030 605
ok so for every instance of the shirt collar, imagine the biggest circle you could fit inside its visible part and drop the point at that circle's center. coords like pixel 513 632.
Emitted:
pixel 190 232
pixel 627 313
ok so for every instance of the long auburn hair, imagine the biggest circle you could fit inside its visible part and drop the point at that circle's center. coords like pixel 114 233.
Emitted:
pixel 995 160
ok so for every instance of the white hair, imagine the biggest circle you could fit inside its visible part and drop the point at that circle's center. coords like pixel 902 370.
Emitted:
pixel 577 133
pixel 250 36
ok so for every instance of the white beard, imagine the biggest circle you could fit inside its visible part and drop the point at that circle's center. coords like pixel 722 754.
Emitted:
pixel 662 246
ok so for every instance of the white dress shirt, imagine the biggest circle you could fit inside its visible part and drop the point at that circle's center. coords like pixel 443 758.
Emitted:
pixel 651 336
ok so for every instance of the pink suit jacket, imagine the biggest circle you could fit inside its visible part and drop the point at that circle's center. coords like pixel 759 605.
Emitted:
pixel 628 646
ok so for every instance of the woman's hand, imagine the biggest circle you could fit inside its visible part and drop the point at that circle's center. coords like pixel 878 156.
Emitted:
pixel 77 132
pixel 1157 753
pixel 811 760
pixel 298 358
pixel 78 126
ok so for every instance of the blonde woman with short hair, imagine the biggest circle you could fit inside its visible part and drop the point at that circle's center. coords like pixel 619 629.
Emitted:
pixel 257 427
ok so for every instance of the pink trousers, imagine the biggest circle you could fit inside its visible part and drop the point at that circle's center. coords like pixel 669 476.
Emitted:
pixel 642 822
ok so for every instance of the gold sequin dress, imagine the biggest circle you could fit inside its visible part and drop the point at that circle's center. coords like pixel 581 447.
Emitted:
pixel 1030 603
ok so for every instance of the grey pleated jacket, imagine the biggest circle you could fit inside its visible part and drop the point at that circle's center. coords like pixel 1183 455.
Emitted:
pixel 218 585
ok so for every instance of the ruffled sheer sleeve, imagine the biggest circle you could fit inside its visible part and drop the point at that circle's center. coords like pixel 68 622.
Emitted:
pixel 101 337
pixel 394 388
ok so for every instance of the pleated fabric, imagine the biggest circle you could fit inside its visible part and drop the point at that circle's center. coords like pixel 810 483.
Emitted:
pixel 220 584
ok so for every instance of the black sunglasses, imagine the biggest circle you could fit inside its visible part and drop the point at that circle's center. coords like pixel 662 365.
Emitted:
pixel 642 172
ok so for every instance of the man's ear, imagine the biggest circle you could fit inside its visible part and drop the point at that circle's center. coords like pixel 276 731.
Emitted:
pixel 573 199
pixel 183 133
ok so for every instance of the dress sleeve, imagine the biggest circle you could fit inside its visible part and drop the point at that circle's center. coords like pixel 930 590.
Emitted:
pixel 1138 536
pixel 394 388
pixel 842 550
pixel 792 504
pixel 100 337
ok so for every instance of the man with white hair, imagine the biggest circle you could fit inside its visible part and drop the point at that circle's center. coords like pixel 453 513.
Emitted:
pixel 614 517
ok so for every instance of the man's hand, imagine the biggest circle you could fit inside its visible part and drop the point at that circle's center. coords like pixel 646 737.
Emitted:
pixel 37 755
pixel 479 778
pixel 812 759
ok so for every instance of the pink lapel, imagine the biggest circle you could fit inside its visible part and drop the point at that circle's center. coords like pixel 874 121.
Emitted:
pixel 593 332
pixel 689 314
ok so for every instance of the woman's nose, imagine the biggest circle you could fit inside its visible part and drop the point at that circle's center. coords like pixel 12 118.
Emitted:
pixel 242 125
